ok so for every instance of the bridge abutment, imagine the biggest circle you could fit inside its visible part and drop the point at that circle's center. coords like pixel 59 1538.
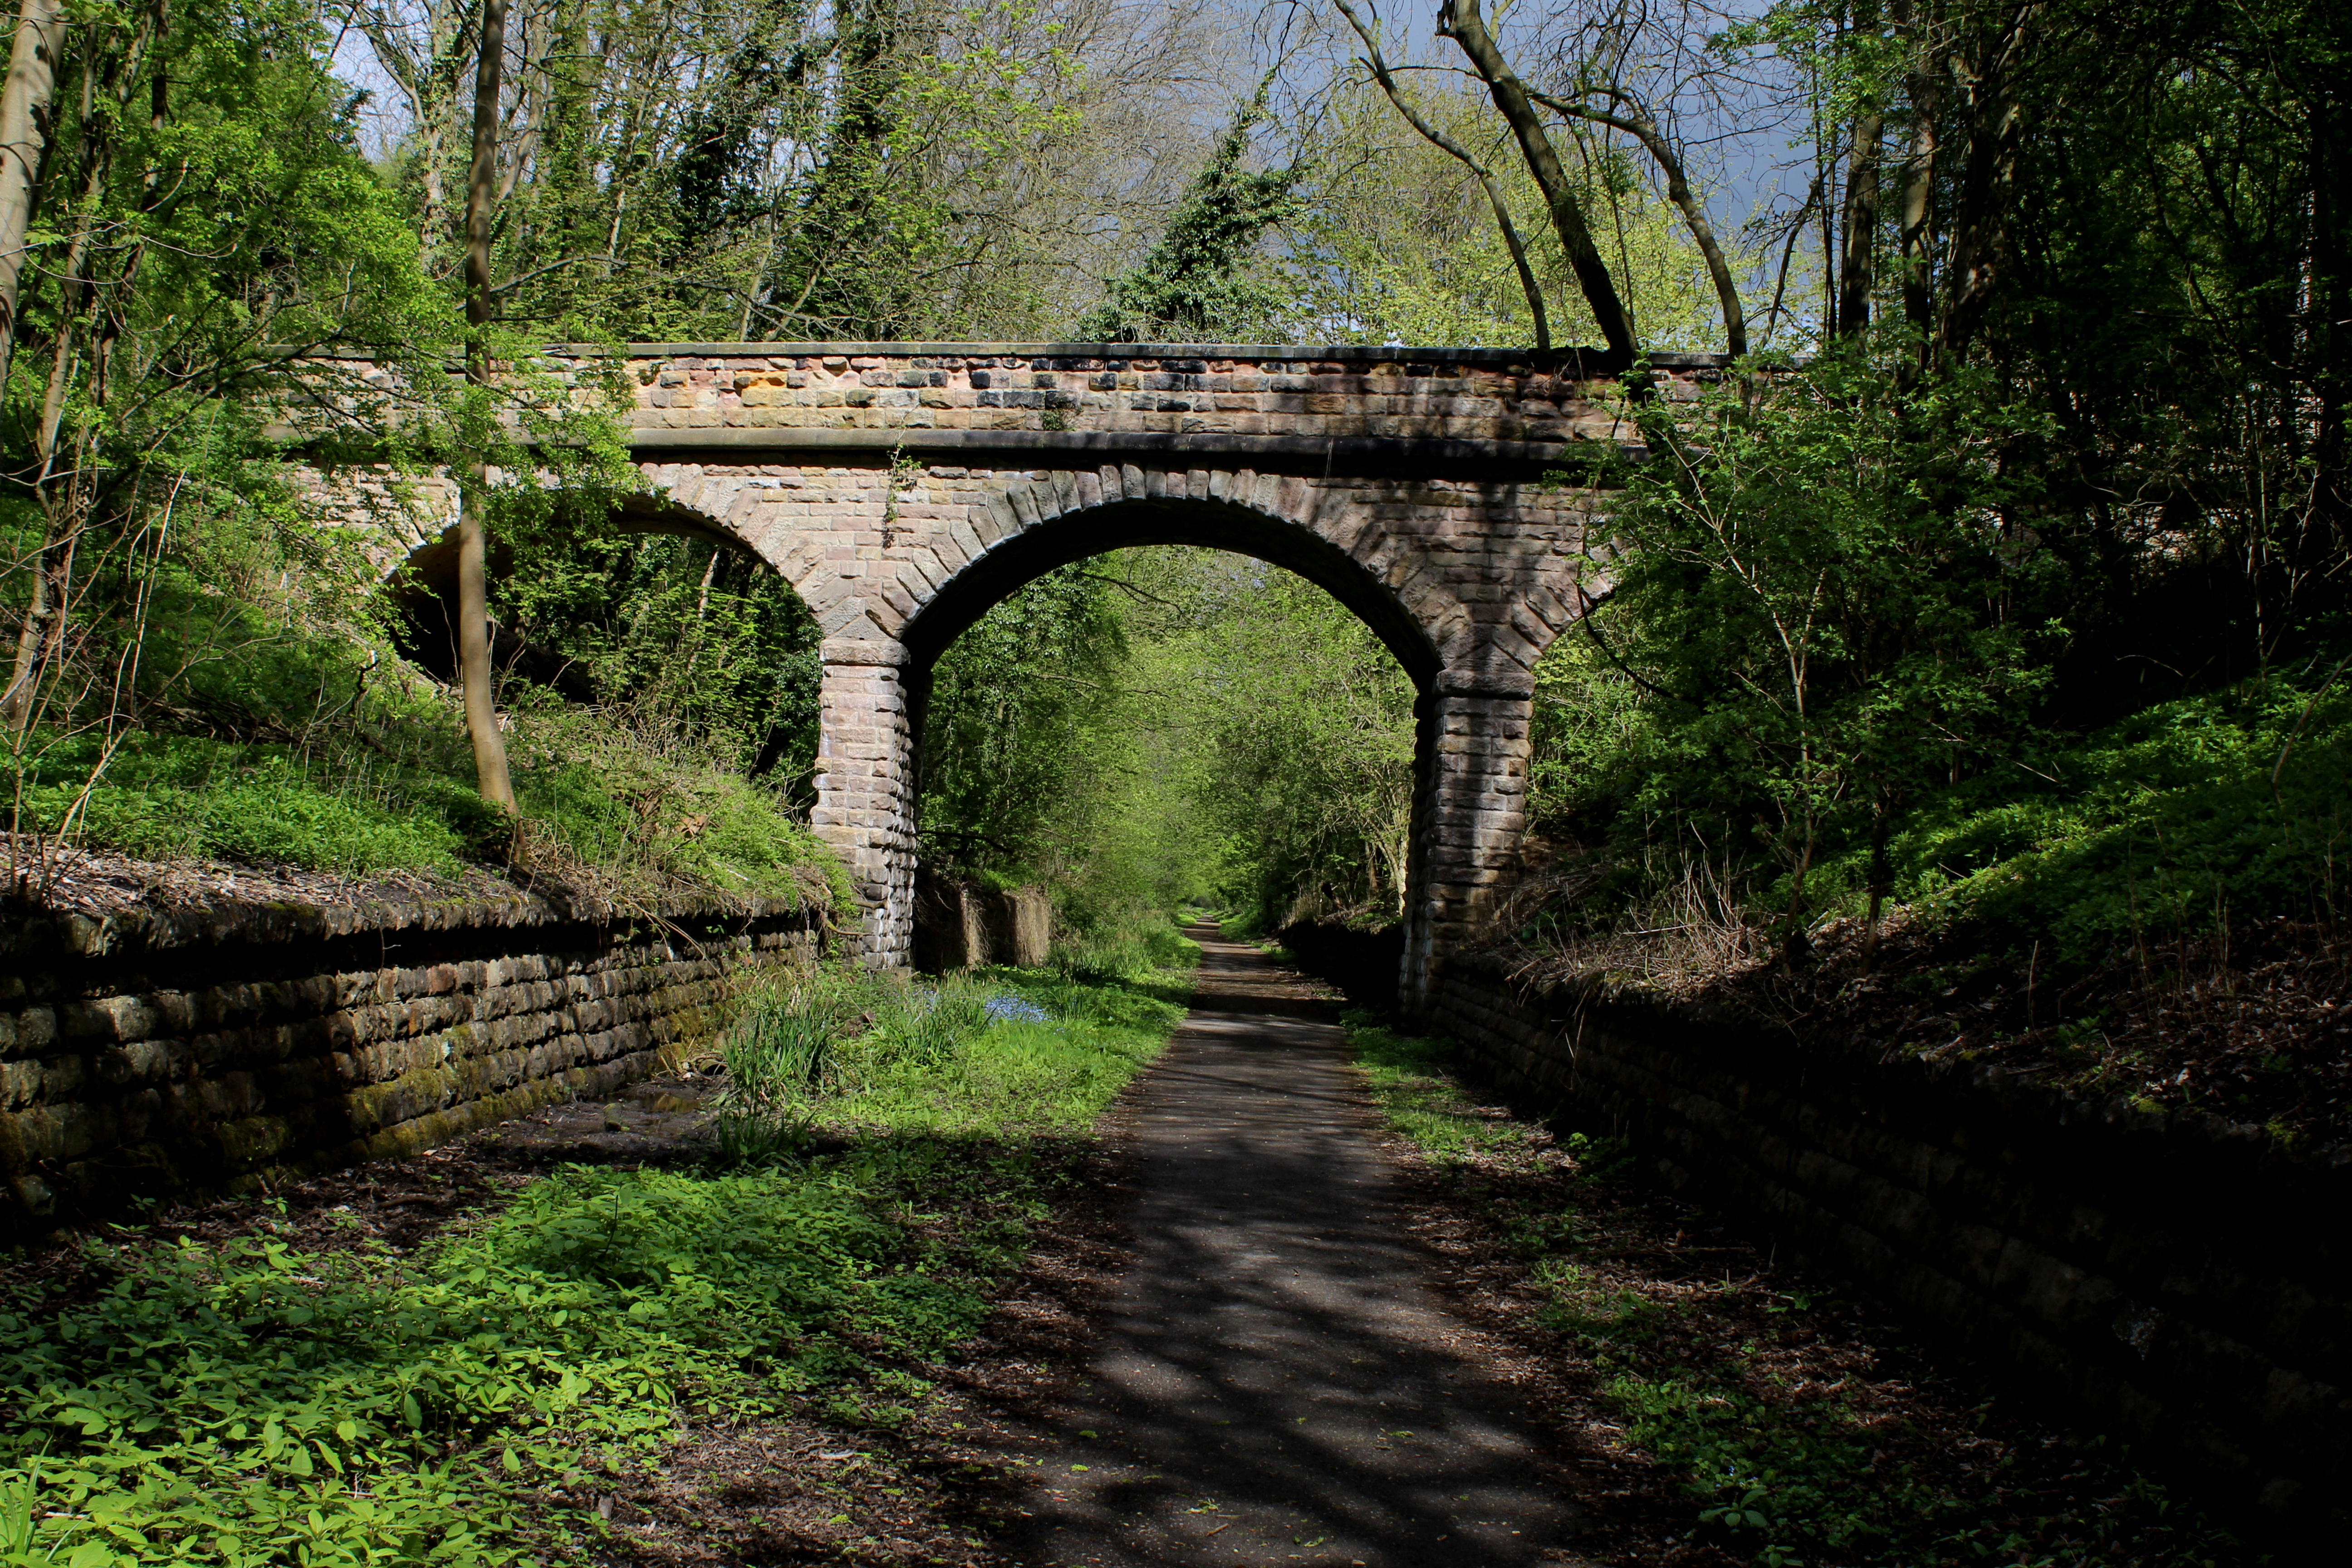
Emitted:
pixel 866 790
pixel 1472 749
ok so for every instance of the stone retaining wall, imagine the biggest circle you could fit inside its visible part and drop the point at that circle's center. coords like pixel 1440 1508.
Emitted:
pixel 2168 1278
pixel 210 1050
pixel 960 925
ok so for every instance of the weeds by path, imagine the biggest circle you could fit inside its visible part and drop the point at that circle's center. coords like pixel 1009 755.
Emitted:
pixel 1729 1411
pixel 504 1392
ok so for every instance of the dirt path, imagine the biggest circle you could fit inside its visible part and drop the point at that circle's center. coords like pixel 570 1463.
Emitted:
pixel 1274 1381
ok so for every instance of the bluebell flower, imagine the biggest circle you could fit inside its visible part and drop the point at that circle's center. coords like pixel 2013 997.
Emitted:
pixel 1014 1010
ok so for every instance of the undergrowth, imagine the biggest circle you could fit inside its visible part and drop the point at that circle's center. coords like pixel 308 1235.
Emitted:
pixel 255 1404
pixel 2167 825
pixel 264 713
pixel 2171 822
pixel 998 1052
pixel 1796 1435
pixel 589 803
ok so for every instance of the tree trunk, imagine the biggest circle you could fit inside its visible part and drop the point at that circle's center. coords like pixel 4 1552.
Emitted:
pixel 49 570
pixel 1914 216
pixel 1857 270
pixel 17 707
pixel 24 138
pixel 1858 263
pixel 2330 305
pixel 1882 872
pixel 1460 20
pixel 473 553
pixel 1996 118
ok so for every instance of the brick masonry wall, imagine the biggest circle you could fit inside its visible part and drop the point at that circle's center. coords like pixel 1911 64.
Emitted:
pixel 1496 394
pixel 211 1050
pixel 2171 1280
pixel 903 488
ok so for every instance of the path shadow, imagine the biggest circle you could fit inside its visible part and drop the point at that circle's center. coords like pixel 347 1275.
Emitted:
pixel 1273 1379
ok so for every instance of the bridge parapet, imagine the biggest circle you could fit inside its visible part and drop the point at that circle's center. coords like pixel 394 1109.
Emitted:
pixel 689 391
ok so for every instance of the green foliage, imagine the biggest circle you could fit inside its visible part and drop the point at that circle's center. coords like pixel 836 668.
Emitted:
pixel 1297 733
pixel 265 715
pixel 1832 601
pixel 874 169
pixel 1166 722
pixel 168 796
pixel 703 645
pixel 341 809
pixel 604 799
pixel 1133 951
pixel 1417 1095
pixel 2166 824
pixel 1017 708
pixel 249 1404
pixel 1831 661
pixel 1004 1049
pixel 1393 241
pixel 252 1404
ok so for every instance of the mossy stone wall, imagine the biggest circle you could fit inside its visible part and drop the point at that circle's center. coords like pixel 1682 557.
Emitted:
pixel 210 1050
pixel 2168 1278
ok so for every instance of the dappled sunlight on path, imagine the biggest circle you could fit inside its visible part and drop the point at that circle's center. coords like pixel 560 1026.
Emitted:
pixel 1273 1379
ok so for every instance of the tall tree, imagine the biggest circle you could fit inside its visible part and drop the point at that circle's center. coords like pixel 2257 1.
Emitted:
pixel 472 565
pixel 1196 286
pixel 24 142
pixel 1377 64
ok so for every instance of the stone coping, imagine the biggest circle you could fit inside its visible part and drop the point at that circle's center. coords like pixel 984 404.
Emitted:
pixel 1743 1043
pixel 69 936
pixel 1305 453
pixel 1601 360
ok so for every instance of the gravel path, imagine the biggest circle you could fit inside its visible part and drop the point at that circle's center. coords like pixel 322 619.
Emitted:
pixel 1274 1381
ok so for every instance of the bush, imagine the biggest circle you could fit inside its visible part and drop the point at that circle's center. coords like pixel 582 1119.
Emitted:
pixel 251 1405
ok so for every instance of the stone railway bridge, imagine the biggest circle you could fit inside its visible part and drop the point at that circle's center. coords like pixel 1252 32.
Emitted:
pixel 903 489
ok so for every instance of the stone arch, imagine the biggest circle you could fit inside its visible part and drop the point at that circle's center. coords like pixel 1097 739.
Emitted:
pixel 1115 524
pixel 1021 558
pixel 416 561
pixel 1464 580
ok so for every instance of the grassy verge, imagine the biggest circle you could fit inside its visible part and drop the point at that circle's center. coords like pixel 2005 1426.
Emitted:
pixel 594 805
pixel 258 1403
pixel 1783 1426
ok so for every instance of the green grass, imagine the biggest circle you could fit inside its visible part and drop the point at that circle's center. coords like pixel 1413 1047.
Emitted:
pixel 1134 951
pixel 838 1049
pixel 1247 926
pixel 585 801
pixel 1419 1096
pixel 253 1404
